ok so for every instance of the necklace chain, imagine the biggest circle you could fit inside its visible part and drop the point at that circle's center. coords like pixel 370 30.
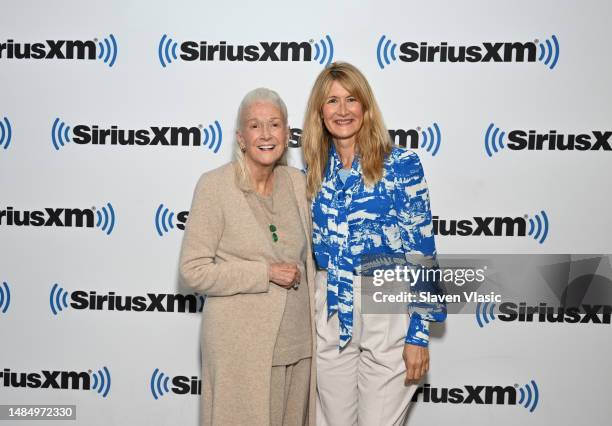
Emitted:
pixel 268 209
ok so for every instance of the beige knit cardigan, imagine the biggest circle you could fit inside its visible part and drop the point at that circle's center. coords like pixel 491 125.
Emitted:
pixel 225 255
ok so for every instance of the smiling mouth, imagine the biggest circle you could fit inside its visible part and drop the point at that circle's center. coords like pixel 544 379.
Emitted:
pixel 344 122
pixel 266 147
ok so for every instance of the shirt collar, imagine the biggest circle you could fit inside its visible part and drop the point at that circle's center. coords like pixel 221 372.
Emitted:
pixel 335 164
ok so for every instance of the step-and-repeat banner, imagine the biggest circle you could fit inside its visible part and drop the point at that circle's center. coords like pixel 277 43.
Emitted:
pixel 110 111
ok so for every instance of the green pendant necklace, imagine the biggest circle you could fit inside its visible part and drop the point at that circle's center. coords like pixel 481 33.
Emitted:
pixel 273 231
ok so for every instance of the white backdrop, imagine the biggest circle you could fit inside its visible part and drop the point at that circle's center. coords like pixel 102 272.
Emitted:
pixel 569 363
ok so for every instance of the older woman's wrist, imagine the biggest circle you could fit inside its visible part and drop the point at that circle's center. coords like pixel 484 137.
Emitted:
pixel 267 280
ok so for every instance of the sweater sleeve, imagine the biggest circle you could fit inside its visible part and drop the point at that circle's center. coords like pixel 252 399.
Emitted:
pixel 199 266
pixel 415 223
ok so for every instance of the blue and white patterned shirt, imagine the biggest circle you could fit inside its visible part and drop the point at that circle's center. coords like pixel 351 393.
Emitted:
pixel 392 217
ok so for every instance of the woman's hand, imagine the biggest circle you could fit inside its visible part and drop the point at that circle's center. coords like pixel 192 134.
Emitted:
pixel 416 359
pixel 285 275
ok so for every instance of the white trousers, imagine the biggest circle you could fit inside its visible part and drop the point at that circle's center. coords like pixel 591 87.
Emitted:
pixel 364 383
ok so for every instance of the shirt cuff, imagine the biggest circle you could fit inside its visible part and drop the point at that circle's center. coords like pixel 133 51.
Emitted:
pixel 418 331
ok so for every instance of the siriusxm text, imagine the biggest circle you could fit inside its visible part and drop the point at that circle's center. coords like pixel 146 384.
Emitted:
pixel 263 51
pixel 151 302
pixel 595 314
pixel 162 136
pixel 46 379
pixel 485 226
pixel 534 141
pixel 65 217
pixel 467 394
pixel 49 49
pixel 485 52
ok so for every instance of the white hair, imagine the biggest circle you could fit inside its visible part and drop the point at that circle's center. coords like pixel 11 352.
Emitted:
pixel 261 94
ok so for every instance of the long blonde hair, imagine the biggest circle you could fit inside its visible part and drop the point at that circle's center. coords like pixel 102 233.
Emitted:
pixel 372 141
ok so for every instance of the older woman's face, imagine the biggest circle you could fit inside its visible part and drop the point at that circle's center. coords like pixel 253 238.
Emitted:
pixel 263 134
pixel 342 113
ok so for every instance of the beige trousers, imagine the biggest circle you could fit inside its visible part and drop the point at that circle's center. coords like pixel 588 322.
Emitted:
pixel 364 383
pixel 289 389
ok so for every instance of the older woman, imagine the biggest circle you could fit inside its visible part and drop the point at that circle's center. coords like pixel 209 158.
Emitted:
pixel 247 248
pixel 369 198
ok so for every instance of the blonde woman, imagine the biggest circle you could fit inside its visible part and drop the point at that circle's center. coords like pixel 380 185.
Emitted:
pixel 368 198
pixel 247 248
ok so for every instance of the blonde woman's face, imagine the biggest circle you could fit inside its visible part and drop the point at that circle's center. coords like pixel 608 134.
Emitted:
pixel 342 113
pixel 263 135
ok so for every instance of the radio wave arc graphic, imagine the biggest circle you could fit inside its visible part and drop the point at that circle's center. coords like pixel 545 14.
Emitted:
pixel 494 140
pixel 106 218
pixel 166 50
pixel 58 299
pixel 164 220
pixel 431 139
pixel 384 49
pixel 202 300
pixel 5 297
pixel 60 134
pixel 529 396
pixel 539 226
pixel 159 384
pixel 102 381
pixel 324 51
pixel 108 50
pixel 549 52
pixel 6 133
pixel 485 313
pixel 213 136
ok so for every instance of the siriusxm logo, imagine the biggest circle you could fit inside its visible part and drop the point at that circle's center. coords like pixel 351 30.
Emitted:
pixel 321 51
pixel 546 51
pixel 181 385
pixel 511 312
pixel 295 137
pixel 527 395
pixel 209 136
pixel 98 381
pixel 495 226
pixel 165 220
pixel 5 297
pixel 151 302
pixel 532 140
pixel 103 218
pixel 428 139
pixel 104 50
pixel 6 133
